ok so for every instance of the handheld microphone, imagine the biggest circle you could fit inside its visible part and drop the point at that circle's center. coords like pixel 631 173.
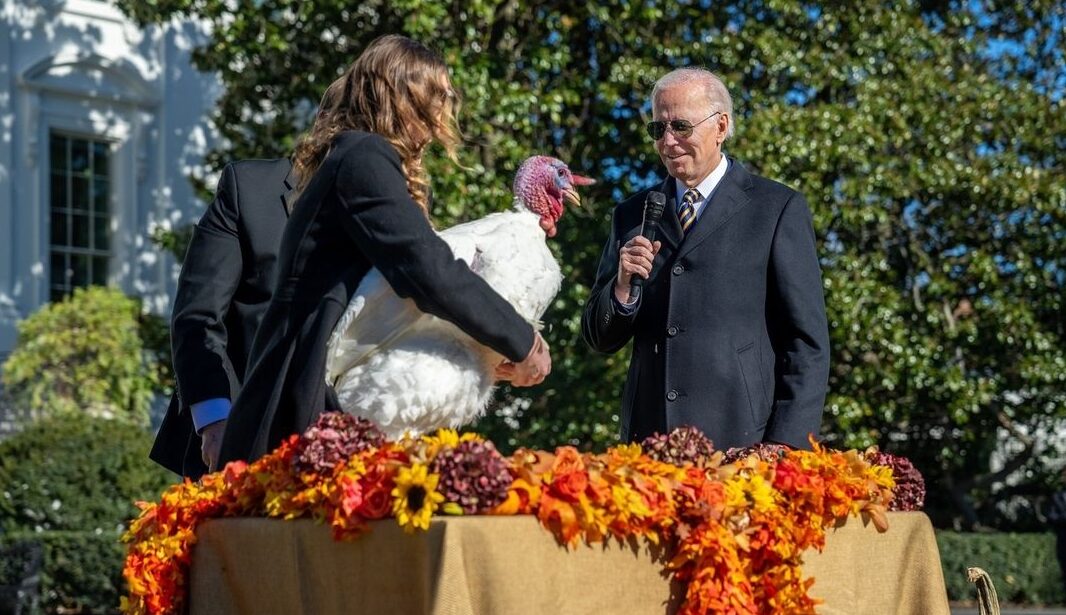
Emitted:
pixel 653 212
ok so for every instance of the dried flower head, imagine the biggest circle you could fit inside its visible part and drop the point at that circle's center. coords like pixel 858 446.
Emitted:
pixel 767 451
pixel 682 446
pixel 472 475
pixel 910 485
pixel 334 438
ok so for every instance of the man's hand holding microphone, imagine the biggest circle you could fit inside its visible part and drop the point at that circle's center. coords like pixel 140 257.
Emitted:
pixel 636 257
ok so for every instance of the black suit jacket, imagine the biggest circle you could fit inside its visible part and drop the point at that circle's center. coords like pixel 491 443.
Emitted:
pixel 354 214
pixel 730 335
pixel 226 282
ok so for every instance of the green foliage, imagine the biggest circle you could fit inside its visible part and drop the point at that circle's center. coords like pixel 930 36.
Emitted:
pixel 76 473
pixel 86 354
pixel 70 483
pixel 82 571
pixel 173 240
pixel 1022 566
pixel 933 168
pixel 154 331
pixel 15 560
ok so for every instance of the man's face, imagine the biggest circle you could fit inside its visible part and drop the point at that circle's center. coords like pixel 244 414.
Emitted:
pixel 692 158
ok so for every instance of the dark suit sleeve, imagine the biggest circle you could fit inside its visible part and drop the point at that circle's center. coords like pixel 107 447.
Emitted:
pixel 209 277
pixel 394 234
pixel 800 332
pixel 604 327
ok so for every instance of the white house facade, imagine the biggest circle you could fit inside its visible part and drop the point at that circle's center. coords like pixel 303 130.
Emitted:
pixel 101 122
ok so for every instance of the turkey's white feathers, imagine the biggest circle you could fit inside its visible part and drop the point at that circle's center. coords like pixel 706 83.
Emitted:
pixel 409 371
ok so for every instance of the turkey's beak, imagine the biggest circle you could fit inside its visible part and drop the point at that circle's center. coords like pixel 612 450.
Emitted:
pixel 572 196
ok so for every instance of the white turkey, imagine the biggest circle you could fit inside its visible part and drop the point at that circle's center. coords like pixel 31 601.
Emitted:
pixel 412 372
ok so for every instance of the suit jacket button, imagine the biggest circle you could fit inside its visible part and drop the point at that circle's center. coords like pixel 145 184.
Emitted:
pixel 679 269
pixel 606 318
pixel 671 396
pixel 672 331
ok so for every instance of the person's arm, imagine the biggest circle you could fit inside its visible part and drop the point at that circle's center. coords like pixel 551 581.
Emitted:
pixel 607 322
pixel 206 378
pixel 209 411
pixel 394 234
pixel 799 329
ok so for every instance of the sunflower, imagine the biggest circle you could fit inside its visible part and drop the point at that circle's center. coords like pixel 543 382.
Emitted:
pixel 415 497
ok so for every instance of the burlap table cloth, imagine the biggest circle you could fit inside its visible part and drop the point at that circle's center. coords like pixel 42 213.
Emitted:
pixel 511 566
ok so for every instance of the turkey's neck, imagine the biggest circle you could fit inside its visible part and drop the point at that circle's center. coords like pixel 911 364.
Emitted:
pixel 546 223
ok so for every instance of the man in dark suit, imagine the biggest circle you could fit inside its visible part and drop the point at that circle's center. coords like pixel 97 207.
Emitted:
pixel 226 283
pixel 730 332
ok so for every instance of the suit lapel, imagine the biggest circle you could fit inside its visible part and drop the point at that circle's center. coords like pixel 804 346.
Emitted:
pixel 669 226
pixel 727 200
pixel 290 187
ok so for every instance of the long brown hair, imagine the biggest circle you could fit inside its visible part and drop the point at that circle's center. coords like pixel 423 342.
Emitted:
pixel 397 88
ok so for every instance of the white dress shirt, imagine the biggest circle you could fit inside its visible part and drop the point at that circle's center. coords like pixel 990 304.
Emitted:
pixel 705 188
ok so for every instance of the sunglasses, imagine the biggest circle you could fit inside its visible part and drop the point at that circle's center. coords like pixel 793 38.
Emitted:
pixel 681 128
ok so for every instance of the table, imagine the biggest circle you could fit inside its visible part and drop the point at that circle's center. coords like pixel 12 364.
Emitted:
pixel 511 566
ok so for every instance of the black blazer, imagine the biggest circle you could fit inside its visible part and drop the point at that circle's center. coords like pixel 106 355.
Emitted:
pixel 354 214
pixel 225 285
pixel 730 335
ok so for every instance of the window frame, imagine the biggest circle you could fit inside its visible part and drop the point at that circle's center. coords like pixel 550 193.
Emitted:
pixel 97 259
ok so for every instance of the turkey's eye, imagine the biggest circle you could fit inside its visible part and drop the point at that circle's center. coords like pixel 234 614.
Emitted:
pixel 562 172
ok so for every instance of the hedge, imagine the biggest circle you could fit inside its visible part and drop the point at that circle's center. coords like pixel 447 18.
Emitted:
pixel 70 485
pixel 81 573
pixel 76 474
pixel 1022 566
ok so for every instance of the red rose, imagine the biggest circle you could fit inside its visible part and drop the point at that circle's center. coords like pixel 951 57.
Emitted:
pixel 377 495
pixel 790 478
pixel 570 486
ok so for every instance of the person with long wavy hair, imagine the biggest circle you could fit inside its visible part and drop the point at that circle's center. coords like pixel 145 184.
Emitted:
pixel 364 203
pixel 397 89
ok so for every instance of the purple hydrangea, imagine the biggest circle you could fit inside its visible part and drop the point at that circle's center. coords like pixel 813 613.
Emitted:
pixel 334 438
pixel 682 446
pixel 473 475
pixel 910 485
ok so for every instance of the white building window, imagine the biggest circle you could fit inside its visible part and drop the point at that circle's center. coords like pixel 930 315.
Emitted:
pixel 80 231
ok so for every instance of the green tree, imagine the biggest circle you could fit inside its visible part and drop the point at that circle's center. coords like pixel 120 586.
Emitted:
pixel 87 354
pixel 173 240
pixel 926 135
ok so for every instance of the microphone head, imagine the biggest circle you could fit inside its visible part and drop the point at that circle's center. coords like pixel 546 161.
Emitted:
pixel 653 212
pixel 653 207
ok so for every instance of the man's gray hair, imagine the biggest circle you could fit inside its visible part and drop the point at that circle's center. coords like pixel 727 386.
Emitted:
pixel 717 94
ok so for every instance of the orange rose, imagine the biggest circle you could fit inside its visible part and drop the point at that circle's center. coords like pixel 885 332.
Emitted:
pixel 567 460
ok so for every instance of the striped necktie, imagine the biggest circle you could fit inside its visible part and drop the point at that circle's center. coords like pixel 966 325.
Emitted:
pixel 687 213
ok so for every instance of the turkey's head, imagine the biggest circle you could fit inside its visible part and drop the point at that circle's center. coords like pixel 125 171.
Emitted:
pixel 542 184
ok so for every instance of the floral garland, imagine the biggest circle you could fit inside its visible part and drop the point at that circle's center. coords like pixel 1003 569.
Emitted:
pixel 737 530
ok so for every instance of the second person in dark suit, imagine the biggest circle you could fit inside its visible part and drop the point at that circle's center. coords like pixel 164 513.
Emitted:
pixel 226 282
pixel 363 204
pixel 730 334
